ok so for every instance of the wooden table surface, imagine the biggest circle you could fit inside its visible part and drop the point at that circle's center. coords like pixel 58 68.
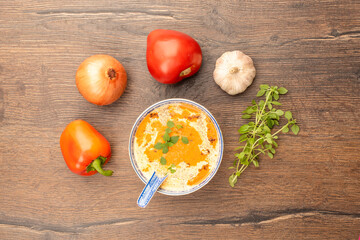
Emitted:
pixel 310 190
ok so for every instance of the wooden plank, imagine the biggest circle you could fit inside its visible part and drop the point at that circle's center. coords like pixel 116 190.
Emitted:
pixel 310 190
pixel 304 225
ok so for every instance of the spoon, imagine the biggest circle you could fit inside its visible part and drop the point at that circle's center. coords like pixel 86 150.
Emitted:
pixel 150 189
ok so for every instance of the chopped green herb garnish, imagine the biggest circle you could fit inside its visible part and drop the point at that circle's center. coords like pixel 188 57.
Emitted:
pixel 162 161
pixel 170 124
pixel 169 141
pixel 172 168
pixel 174 139
pixel 159 146
pixel 185 140
pixel 165 149
pixel 166 137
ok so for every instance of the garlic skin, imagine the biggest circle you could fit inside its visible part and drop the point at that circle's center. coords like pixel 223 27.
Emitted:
pixel 234 72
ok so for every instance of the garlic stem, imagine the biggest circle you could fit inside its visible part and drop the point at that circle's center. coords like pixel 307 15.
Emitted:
pixel 233 70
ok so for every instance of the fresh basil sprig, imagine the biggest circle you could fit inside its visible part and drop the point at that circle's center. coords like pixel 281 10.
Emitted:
pixel 257 134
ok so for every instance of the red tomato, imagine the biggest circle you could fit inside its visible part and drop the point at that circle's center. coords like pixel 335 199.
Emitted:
pixel 172 56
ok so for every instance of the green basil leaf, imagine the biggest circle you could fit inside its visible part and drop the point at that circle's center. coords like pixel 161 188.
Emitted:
pixel 244 161
pixel 295 129
pixel 243 138
pixel 158 146
pixel 266 129
pixel 241 155
pixel 179 126
pixel 260 93
pixel 276 103
pixel 185 140
pixel 243 128
pixel 168 130
pixel 256 163
pixel 270 155
pixel 246 116
pixel 272 115
pixel 261 103
pixel 285 130
pixel 170 144
pixel 270 123
pixel 174 139
pixel 279 112
pixel 288 115
pixel 235 162
pixel 170 124
pixel 264 86
pixel 166 137
pixel 162 161
pixel 250 111
pixel 282 90
pixel 276 96
pixel 165 149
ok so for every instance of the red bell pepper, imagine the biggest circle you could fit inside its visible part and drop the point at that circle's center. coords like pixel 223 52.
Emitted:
pixel 84 149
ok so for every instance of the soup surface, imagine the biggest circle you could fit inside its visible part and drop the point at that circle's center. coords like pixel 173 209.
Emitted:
pixel 179 140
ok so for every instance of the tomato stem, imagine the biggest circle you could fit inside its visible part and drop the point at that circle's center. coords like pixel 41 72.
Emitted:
pixel 97 165
pixel 185 72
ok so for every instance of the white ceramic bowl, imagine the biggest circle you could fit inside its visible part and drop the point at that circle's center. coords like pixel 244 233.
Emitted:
pixel 145 113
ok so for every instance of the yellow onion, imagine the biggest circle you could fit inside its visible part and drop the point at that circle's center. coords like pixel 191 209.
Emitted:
pixel 101 79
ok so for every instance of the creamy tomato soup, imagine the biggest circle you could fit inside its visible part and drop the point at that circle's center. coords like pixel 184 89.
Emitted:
pixel 190 159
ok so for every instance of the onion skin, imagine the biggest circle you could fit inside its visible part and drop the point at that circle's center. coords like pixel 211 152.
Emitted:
pixel 101 79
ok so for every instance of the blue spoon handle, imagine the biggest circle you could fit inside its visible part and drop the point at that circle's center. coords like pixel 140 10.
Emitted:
pixel 149 190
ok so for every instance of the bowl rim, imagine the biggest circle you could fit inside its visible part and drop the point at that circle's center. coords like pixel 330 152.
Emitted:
pixel 159 104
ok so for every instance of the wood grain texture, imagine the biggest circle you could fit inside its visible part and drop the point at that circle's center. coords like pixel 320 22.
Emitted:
pixel 310 190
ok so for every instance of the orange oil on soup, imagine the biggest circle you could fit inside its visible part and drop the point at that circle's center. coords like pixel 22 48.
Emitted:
pixel 189 153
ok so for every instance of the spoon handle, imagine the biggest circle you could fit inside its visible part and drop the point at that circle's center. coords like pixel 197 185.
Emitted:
pixel 149 190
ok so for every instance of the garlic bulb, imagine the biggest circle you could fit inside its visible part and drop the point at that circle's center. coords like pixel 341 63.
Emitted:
pixel 234 72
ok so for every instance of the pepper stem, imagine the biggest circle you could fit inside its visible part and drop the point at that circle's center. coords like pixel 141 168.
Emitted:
pixel 97 164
